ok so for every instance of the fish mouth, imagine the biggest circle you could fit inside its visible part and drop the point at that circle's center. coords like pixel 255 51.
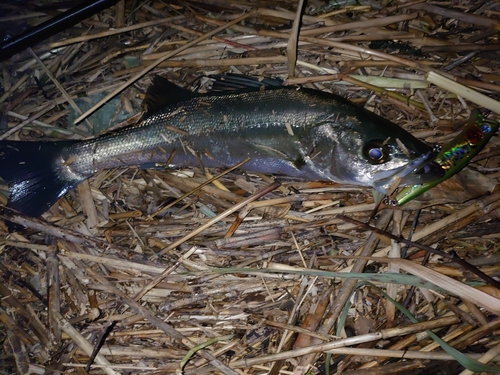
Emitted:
pixel 419 171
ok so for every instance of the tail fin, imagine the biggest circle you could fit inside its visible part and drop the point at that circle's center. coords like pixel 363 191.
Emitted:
pixel 30 170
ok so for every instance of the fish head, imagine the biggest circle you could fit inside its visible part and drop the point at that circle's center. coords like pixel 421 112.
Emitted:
pixel 378 154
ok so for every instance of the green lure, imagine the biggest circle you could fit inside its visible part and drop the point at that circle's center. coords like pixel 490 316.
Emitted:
pixel 454 156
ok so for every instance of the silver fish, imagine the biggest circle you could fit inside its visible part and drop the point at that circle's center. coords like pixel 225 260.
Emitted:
pixel 301 133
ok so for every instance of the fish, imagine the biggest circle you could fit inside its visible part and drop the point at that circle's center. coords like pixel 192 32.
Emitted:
pixel 455 155
pixel 293 131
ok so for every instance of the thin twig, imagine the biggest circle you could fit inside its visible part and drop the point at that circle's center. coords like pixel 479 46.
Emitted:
pixel 451 256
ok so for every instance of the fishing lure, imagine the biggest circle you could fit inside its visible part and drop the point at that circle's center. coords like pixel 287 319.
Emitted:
pixel 454 156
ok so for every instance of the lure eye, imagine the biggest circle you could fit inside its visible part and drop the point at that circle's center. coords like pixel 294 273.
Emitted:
pixel 376 152
pixel 485 129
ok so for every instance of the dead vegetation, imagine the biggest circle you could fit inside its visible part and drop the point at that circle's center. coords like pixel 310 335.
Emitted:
pixel 158 271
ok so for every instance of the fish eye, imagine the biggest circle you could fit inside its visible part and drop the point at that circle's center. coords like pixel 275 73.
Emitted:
pixel 375 151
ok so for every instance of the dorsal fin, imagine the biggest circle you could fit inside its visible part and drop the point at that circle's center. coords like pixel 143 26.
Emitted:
pixel 240 82
pixel 162 92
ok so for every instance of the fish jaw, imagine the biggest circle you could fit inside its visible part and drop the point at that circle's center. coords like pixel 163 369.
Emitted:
pixel 421 170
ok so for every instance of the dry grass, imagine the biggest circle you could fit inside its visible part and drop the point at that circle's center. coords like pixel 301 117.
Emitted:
pixel 246 273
